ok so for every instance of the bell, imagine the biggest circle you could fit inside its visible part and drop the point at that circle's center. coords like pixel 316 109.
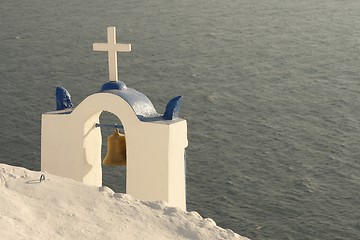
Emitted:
pixel 116 152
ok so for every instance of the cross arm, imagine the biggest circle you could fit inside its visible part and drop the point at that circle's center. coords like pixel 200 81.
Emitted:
pixel 104 47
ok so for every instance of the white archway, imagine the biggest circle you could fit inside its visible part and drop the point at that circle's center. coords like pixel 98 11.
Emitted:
pixel 71 147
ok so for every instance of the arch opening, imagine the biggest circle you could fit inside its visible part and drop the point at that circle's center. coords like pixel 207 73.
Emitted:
pixel 112 177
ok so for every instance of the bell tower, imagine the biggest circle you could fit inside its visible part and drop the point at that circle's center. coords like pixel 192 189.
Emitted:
pixel 155 143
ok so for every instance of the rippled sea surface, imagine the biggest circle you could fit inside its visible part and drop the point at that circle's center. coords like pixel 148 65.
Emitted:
pixel 271 95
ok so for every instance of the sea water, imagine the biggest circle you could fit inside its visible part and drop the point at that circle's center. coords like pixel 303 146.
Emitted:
pixel 271 95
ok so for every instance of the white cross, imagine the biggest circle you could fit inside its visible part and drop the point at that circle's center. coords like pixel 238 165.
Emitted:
pixel 112 48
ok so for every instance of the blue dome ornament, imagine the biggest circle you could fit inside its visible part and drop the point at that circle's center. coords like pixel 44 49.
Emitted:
pixel 63 99
pixel 111 85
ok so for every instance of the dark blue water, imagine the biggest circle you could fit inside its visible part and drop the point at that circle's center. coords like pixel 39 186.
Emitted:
pixel 271 94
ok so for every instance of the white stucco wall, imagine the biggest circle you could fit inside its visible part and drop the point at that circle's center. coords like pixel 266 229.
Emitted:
pixel 71 147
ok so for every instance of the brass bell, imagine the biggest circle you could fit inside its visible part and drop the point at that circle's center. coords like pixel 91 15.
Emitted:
pixel 116 152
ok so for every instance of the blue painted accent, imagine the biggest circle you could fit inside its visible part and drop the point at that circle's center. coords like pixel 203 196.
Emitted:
pixel 63 99
pixel 113 86
pixel 172 108
pixel 141 105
